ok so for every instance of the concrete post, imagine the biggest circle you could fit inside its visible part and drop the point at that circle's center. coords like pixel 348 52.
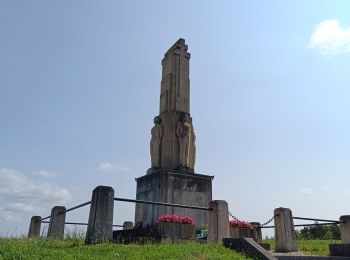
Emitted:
pixel 100 225
pixel 128 225
pixel 34 228
pixel 218 224
pixel 257 235
pixel 345 229
pixel 284 231
pixel 57 220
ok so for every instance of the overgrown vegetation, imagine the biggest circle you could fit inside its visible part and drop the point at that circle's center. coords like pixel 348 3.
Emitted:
pixel 76 249
pixel 326 232
pixel 310 247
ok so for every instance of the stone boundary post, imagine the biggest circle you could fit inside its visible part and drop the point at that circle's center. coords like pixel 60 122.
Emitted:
pixel 345 229
pixel 284 231
pixel 218 224
pixel 34 227
pixel 100 225
pixel 57 221
pixel 257 235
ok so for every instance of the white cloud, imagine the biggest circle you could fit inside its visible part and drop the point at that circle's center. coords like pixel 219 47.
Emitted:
pixel 330 38
pixel 43 173
pixel 306 191
pixel 112 168
pixel 21 197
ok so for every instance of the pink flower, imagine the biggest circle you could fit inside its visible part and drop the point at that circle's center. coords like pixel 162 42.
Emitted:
pixel 240 224
pixel 175 219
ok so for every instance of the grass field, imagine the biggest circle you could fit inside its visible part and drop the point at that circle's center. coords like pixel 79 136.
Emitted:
pixel 23 248
pixel 311 247
pixel 75 249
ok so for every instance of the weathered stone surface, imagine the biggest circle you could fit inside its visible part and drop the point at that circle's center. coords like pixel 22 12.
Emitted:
pixel 339 249
pixel 236 232
pixel 173 187
pixel 345 229
pixel 35 225
pixel 157 133
pixel 128 225
pixel 57 221
pixel 256 232
pixel 174 105
pixel 249 247
pixel 100 225
pixel 218 224
pixel 176 231
pixel 284 231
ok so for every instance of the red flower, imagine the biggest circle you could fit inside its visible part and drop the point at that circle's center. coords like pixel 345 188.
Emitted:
pixel 175 219
pixel 240 224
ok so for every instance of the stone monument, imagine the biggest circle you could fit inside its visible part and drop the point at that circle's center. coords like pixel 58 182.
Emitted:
pixel 171 177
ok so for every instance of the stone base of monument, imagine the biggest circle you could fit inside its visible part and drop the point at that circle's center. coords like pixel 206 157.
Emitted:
pixel 339 249
pixel 174 232
pixel 162 232
pixel 174 187
pixel 135 236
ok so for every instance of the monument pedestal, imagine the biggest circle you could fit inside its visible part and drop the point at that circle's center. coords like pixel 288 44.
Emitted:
pixel 173 187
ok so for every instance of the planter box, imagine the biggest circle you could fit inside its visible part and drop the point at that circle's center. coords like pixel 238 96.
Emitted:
pixel 175 231
pixel 254 233
pixel 236 232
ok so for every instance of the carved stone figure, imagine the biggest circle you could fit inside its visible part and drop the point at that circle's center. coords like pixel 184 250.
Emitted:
pixel 192 154
pixel 157 133
pixel 184 132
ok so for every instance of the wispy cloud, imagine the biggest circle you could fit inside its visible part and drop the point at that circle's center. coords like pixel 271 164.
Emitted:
pixel 326 189
pixel 112 168
pixel 330 37
pixel 20 196
pixel 43 173
pixel 306 191
pixel 344 192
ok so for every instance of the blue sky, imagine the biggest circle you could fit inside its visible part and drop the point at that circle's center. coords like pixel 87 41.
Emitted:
pixel 80 83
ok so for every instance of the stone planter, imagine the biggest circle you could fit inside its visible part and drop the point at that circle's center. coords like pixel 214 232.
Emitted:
pixel 175 231
pixel 236 232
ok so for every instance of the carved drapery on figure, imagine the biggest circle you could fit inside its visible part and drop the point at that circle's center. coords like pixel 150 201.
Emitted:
pixel 192 151
pixel 157 133
pixel 184 132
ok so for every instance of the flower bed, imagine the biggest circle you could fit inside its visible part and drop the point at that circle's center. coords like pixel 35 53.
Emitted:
pixel 240 224
pixel 240 228
pixel 174 227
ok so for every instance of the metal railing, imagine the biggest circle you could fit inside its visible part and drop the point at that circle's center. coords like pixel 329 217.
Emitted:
pixel 327 222
pixel 163 204
pixel 67 210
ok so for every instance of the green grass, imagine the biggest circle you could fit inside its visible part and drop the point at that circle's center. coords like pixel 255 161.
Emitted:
pixel 75 249
pixel 311 247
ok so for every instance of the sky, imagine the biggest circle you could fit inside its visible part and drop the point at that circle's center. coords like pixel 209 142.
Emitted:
pixel 80 85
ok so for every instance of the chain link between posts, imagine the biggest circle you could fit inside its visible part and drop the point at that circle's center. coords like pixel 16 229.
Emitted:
pixel 255 226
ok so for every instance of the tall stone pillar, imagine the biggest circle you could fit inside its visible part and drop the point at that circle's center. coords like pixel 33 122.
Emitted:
pixel 171 178
pixel 176 151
